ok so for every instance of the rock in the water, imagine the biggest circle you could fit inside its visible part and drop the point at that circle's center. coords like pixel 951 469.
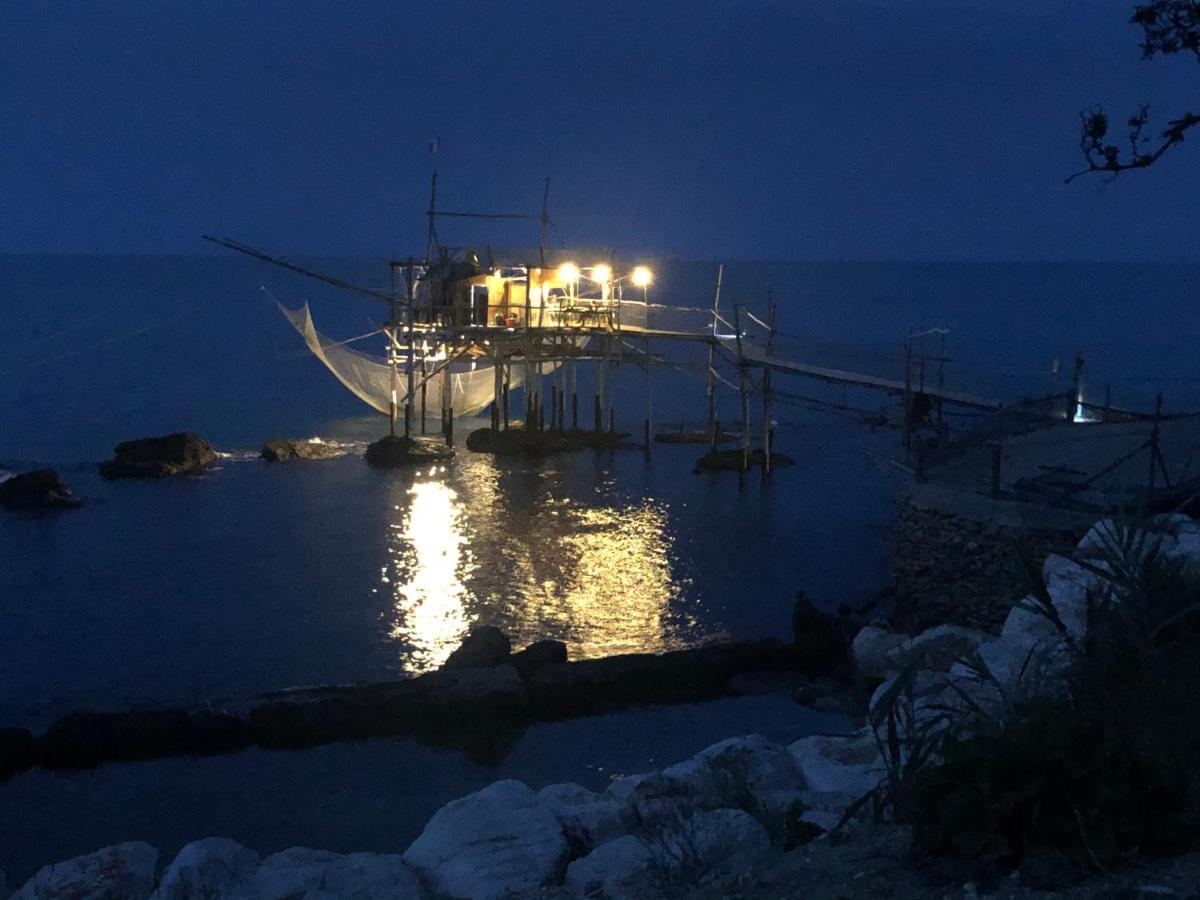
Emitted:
pixel 616 870
pixel 182 453
pixel 395 452
pixel 39 489
pixel 486 645
pixel 588 819
pixel 213 867
pixel 125 871
pixel 17 750
pixel 516 441
pixel 873 650
pixel 279 449
pixel 496 842
pixel 818 638
pixel 83 739
pixel 538 654
pixel 303 874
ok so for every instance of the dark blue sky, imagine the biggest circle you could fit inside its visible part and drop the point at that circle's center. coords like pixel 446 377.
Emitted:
pixel 872 129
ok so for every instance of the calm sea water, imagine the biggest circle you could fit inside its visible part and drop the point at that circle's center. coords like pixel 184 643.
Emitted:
pixel 258 577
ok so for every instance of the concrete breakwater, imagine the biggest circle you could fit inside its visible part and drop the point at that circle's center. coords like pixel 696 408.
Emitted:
pixel 479 706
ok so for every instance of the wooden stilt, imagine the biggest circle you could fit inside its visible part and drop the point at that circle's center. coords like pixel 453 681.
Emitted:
pixel 711 374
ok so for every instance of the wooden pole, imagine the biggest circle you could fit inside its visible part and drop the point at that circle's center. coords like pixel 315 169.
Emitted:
pixel 997 462
pixel 649 396
pixel 768 436
pixel 447 404
pixel 1154 438
pixel 711 379
pixel 600 395
pixel 408 365
pixel 574 396
pixel 507 388
pixel 741 368
pixel 424 387
pixel 908 401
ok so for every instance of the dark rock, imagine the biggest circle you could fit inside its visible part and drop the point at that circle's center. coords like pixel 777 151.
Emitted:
pixel 40 489
pixel 478 709
pixel 486 645
pixel 17 752
pixel 731 460
pixel 519 441
pixel 394 452
pixel 85 739
pixel 279 449
pixel 182 453
pixel 538 654
pixel 819 638
pixel 593 686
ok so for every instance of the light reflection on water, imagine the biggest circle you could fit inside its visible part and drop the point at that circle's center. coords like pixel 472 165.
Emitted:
pixel 485 544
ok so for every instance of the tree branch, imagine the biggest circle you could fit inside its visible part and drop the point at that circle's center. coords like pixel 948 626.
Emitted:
pixel 1168 27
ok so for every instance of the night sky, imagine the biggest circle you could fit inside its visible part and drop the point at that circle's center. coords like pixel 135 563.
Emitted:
pixel 813 129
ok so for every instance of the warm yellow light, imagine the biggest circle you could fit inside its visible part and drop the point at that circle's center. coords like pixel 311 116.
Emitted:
pixel 642 276
pixel 601 273
pixel 568 272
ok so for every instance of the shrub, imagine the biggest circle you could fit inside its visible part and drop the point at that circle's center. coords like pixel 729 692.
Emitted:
pixel 1106 767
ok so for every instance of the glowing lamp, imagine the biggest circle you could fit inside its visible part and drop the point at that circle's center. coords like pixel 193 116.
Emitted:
pixel 642 276
pixel 568 273
pixel 601 273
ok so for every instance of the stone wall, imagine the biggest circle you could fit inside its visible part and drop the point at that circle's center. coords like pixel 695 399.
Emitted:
pixel 958 558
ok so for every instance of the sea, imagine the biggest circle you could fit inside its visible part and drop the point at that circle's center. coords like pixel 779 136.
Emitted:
pixel 257 577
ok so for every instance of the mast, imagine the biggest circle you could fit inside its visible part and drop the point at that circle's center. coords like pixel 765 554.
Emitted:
pixel 545 223
pixel 431 237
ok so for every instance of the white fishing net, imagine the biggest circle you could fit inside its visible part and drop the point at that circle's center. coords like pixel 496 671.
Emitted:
pixel 369 378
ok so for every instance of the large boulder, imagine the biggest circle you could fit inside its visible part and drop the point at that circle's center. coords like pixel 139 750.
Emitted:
pixel 616 870
pixel 839 764
pixel 740 772
pixel 496 842
pixel 213 867
pixel 681 855
pixel 396 452
pixel 182 453
pixel 371 876
pixel 587 818
pixel 818 637
pixel 938 648
pixel 39 489
pixel 873 650
pixel 486 645
pixel 303 874
pixel 279 449
pixel 708 845
pixel 125 871
pixel 540 654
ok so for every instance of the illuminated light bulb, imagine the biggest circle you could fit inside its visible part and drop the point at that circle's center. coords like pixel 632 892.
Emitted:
pixel 642 276
pixel 601 273
pixel 568 272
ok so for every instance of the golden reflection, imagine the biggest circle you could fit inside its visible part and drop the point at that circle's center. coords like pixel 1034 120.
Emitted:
pixel 429 558
pixel 505 547
pixel 618 587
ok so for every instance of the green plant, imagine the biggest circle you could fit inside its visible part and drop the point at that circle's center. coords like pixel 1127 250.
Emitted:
pixel 1104 767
